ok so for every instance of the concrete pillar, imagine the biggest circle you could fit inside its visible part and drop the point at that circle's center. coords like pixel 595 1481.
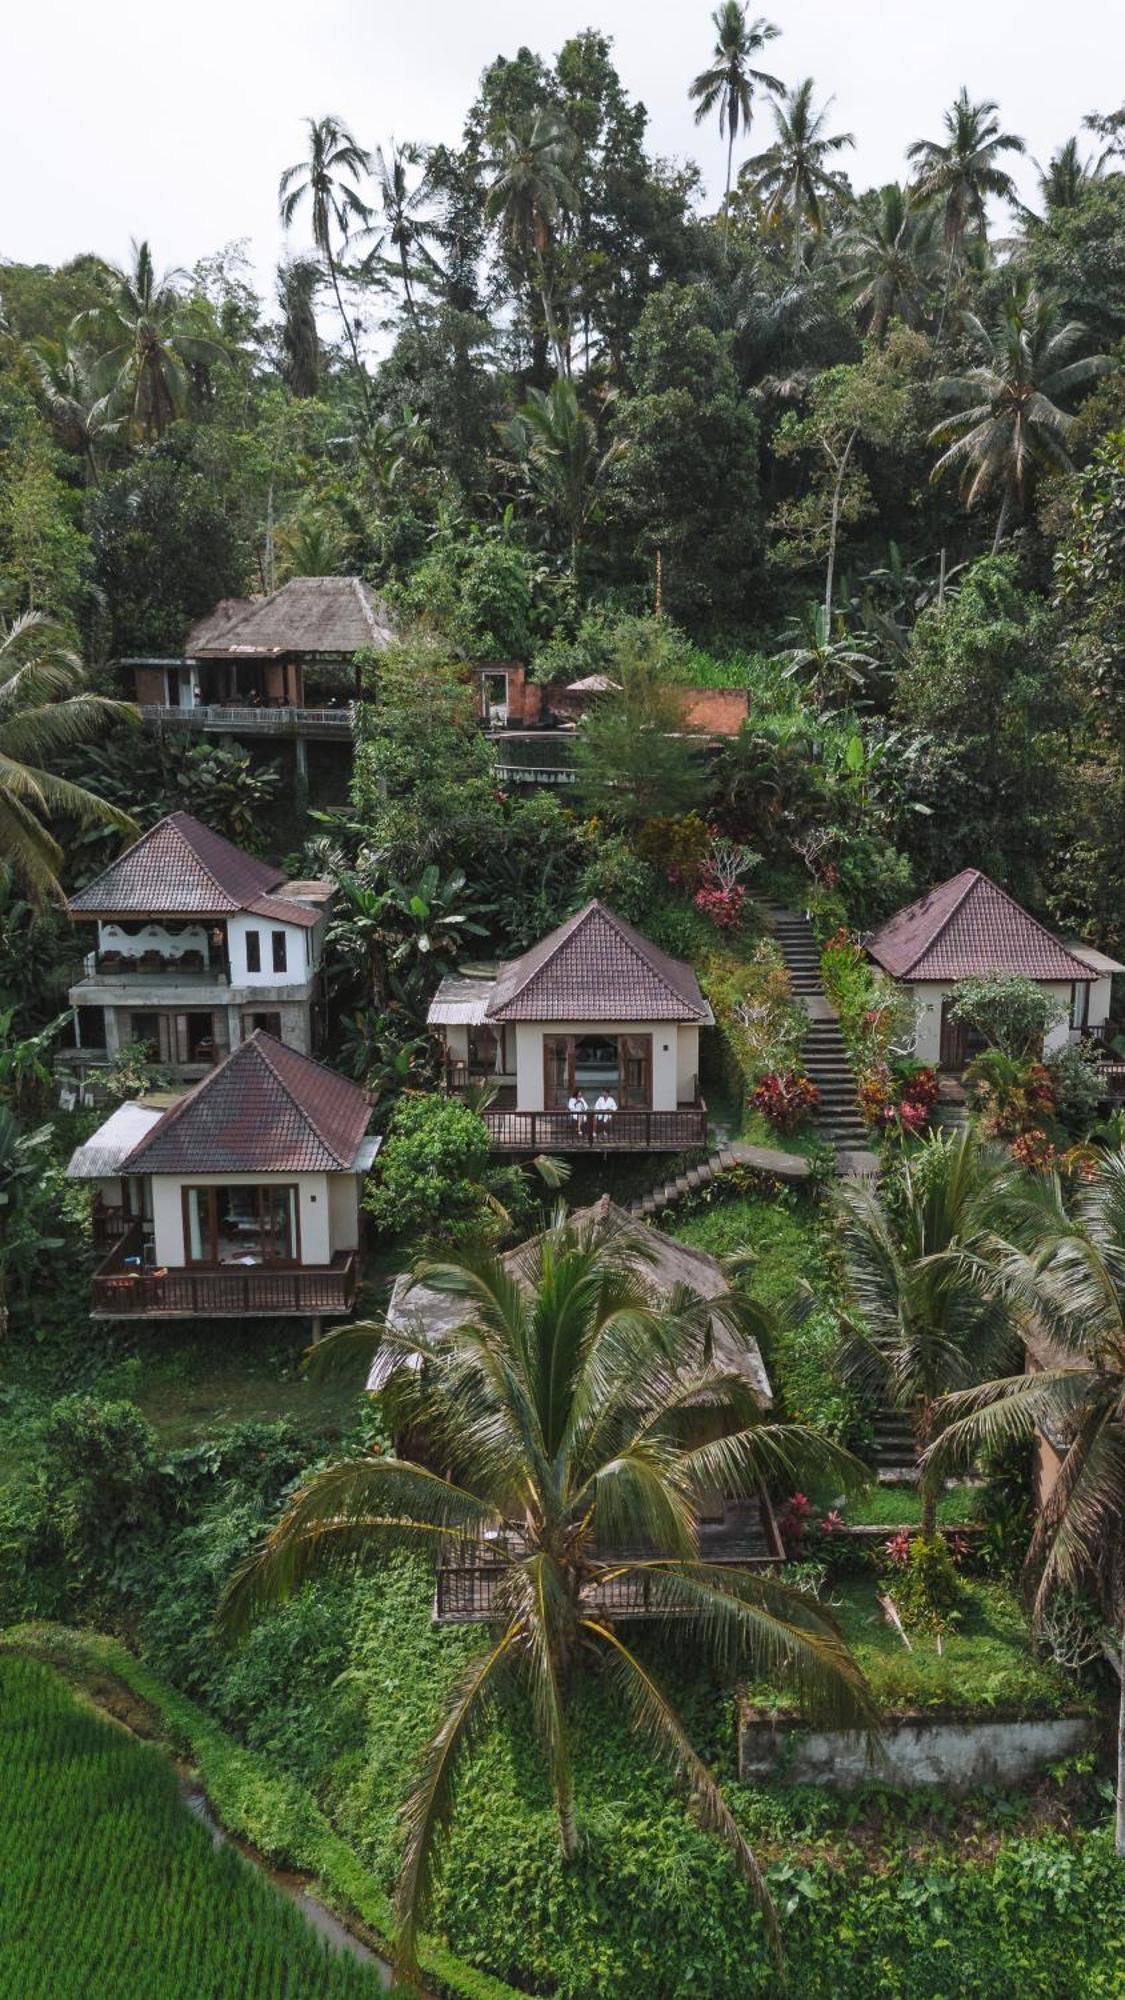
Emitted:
pixel 302 760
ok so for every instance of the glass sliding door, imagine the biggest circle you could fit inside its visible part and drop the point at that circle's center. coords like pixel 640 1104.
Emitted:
pixel 558 1071
pixel 241 1225
pixel 636 1072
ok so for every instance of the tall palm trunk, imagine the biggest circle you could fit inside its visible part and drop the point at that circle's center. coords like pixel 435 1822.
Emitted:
pixel 361 372
pixel 834 526
pixel 928 1485
pixel 726 196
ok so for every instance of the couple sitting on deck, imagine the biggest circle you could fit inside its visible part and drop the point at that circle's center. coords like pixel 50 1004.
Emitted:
pixel 589 1123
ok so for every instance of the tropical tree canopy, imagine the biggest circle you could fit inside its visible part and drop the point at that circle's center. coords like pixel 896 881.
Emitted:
pixel 155 337
pixel 575 1414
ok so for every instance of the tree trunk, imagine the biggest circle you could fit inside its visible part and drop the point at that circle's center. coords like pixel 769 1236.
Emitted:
pixel 927 1483
pixel 834 525
pixel 726 196
pixel 1005 508
pixel 1119 1822
pixel 944 304
pixel 350 332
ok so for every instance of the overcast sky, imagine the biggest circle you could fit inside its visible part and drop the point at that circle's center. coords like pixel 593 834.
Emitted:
pixel 124 120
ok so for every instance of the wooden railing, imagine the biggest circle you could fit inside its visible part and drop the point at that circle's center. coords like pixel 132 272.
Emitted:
pixel 244 719
pixel 183 966
pixel 123 1288
pixel 622 1132
pixel 467 1592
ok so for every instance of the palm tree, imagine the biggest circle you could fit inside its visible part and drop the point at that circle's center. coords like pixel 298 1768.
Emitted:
pixel 960 172
pixel 922 1326
pixel 730 81
pixel 44 709
pixel 890 248
pixel 154 340
pixel 531 193
pixel 1065 179
pixel 328 179
pixel 1063 1280
pixel 408 228
pixel 1009 425
pixel 81 416
pixel 792 176
pixel 298 280
pixel 557 441
pixel 574 1414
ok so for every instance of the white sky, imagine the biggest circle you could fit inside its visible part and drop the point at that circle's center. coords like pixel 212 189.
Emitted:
pixel 122 120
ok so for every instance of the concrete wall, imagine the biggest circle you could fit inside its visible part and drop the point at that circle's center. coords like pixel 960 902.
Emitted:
pixel 929 997
pixel 529 1056
pixel 343 1210
pixel 154 937
pixel 716 711
pixel 926 1750
pixel 300 950
pixel 687 1063
pixel 314 1207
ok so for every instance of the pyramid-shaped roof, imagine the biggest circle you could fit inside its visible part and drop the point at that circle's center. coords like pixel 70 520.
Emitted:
pixel 181 868
pixel 309 614
pixel 596 967
pixel 265 1109
pixel 968 928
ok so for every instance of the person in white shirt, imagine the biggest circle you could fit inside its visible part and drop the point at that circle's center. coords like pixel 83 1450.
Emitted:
pixel 580 1111
pixel 604 1109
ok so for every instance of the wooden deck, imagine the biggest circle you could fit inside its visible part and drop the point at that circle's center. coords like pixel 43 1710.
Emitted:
pixel 465 1591
pixel 624 1131
pixel 124 1289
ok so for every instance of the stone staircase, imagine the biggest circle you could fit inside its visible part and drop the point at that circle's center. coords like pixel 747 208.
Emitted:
pixel 896 1460
pixel 839 1121
pixel 763 1160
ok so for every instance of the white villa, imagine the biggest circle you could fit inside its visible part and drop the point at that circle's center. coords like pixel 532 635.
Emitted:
pixel 968 928
pixel 240 1197
pixel 593 1007
pixel 197 945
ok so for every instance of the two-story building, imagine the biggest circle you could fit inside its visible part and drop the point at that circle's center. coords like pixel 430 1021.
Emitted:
pixel 594 1010
pixel 242 1197
pixel 195 945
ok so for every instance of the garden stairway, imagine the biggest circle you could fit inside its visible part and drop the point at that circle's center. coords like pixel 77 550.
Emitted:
pixel 838 1120
pixel 896 1456
pixel 762 1159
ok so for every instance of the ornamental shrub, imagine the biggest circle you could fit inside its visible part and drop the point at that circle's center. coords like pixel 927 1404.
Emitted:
pixel 436 1180
pixel 1012 1013
pixel 785 1100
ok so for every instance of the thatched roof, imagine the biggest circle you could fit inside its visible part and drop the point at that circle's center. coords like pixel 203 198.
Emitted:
pixel 662 1262
pixel 309 615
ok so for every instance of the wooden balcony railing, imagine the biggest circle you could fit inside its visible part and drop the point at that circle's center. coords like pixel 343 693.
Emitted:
pixel 242 719
pixel 622 1132
pixel 124 1289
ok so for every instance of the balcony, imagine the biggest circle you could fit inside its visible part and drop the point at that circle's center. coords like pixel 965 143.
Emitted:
pixel 240 719
pixel 179 967
pixel 123 1289
pixel 511 1131
pixel 467 1590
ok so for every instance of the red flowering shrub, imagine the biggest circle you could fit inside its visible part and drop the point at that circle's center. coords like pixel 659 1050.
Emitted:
pixel 897 1548
pixel 1034 1150
pixel 785 1100
pixel 898 1100
pixel 723 906
pixel 793 1521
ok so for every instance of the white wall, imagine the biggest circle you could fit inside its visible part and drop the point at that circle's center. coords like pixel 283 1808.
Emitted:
pixel 1100 995
pixel 343 1210
pixel 529 1056
pixel 300 956
pixel 687 1067
pixel 153 937
pixel 314 1206
pixel 929 996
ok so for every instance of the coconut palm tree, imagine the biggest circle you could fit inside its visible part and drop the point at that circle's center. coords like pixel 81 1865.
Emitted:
pixel 1063 1280
pixel 921 1327
pixel 154 340
pixel 530 195
pixel 328 179
pixel 409 229
pixel 1009 425
pixel 556 440
pixel 890 250
pixel 44 709
pixel 960 172
pixel 81 416
pixel 574 1414
pixel 1064 180
pixel 731 79
pixel 792 176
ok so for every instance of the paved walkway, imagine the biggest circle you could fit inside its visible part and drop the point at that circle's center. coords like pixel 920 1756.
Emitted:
pixel 838 1121
pixel 734 1153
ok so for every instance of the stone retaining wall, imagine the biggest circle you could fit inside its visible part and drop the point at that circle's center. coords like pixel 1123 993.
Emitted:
pixel 913 1750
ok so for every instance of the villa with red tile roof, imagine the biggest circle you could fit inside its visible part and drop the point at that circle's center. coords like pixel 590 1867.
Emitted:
pixel 968 928
pixel 197 944
pixel 593 1010
pixel 240 1197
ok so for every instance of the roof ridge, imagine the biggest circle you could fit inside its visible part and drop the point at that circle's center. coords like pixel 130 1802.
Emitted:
pixel 257 1042
pixel 196 855
pixel 972 877
pixel 1051 936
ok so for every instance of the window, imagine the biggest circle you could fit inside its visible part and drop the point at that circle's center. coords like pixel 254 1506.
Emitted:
pixel 270 1024
pixel 196 1040
pixel 146 1029
pixel 253 951
pixel 558 1071
pixel 278 939
pixel 241 1225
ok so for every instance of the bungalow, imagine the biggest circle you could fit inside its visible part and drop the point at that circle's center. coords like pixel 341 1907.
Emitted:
pixel 742 1531
pixel 239 1198
pixel 593 1008
pixel 196 945
pixel 968 928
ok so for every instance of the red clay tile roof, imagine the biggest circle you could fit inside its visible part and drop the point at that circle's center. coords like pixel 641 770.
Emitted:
pixel 180 868
pixel 309 614
pixel 596 967
pixel 265 1110
pixel 968 928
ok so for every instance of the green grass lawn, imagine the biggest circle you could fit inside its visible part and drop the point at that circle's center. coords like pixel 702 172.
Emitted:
pixel 901 1507
pixel 111 1888
pixel 985 1662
